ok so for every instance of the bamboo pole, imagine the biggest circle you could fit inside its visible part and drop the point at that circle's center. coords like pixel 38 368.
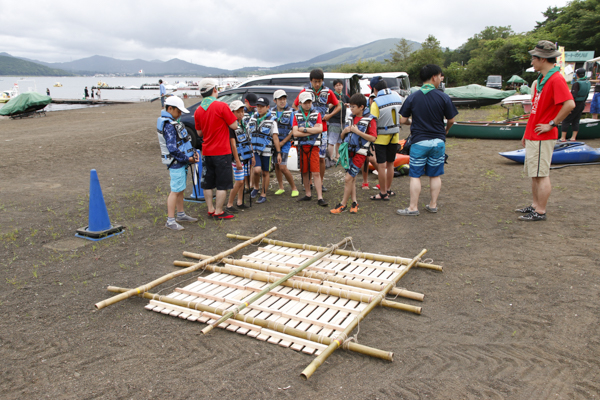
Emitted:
pixel 175 274
pixel 317 362
pixel 356 254
pixel 306 273
pixel 309 287
pixel 275 326
pixel 274 285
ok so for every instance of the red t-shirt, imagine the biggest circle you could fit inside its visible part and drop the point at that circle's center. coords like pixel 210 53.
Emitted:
pixel 546 105
pixel 319 121
pixel 331 99
pixel 214 124
pixel 359 159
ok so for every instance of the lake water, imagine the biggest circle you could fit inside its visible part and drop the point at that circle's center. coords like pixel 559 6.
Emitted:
pixel 72 87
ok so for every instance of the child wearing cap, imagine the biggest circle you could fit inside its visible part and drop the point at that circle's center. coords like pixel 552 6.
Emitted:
pixel 358 135
pixel 243 155
pixel 307 127
pixel 262 128
pixel 177 153
pixel 284 115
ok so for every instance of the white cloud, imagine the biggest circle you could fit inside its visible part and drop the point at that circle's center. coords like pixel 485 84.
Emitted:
pixel 233 34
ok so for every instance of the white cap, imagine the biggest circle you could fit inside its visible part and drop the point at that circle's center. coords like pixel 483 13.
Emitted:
pixel 175 101
pixel 206 85
pixel 236 105
pixel 279 93
pixel 305 96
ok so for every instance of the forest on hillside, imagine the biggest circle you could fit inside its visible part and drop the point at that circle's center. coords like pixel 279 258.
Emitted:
pixel 496 50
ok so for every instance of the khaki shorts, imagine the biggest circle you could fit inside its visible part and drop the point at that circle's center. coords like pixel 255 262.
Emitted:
pixel 538 155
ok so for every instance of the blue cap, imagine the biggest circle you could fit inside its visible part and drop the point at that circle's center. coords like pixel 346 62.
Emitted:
pixel 375 80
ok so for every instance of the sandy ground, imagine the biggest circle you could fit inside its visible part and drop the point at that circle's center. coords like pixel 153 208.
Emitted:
pixel 514 315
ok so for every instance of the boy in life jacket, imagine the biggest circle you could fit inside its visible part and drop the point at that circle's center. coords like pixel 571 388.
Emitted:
pixel 177 153
pixel 307 128
pixel 284 115
pixel 249 110
pixel 323 98
pixel 262 128
pixel 241 147
pixel 358 135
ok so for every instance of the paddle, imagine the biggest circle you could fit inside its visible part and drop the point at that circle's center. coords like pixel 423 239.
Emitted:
pixel 166 95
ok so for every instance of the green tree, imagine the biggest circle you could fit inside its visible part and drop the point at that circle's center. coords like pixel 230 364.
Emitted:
pixel 401 53
pixel 429 53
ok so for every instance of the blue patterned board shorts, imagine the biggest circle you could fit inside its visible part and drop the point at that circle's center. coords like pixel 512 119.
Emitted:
pixel 178 179
pixel 427 158
pixel 595 107
pixel 239 175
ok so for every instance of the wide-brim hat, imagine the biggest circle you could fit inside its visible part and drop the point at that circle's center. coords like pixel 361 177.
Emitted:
pixel 545 49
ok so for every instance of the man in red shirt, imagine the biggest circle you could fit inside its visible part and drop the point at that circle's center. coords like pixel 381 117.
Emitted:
pixel 552 102
pixel 213 119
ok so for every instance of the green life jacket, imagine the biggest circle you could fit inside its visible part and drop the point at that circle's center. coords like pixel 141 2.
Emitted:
pixel 584 90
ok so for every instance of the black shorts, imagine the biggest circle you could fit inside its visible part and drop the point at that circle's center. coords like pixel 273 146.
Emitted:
pixel 386 152
pixel 216 172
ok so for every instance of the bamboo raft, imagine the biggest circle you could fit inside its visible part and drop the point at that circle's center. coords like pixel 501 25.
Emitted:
pixel 307 298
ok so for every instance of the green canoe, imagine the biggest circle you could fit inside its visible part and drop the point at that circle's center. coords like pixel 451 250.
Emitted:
pixel 588 129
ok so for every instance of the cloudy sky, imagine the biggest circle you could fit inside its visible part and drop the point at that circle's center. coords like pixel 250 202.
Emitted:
pixel 233 34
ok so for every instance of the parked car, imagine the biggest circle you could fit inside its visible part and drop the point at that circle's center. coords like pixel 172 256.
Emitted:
pixel 238 93
pixel 350 81
pixel 494 82
pixel 397 81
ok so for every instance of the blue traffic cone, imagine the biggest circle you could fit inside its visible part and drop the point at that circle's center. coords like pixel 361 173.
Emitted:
pixel 197 193
pixel 99 226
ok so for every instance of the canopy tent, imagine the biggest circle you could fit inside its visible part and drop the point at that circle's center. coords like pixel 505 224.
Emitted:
pixel 597 59
pixel 28 101
pixel 516 79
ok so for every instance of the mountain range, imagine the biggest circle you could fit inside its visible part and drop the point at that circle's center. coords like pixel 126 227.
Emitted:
pixel 378 50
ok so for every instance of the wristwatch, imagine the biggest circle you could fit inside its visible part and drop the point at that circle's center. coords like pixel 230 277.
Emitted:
pixel 551 123
pixel 305 131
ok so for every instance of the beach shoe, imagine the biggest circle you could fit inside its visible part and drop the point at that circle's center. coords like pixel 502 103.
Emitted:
pixel 280 191
pixel 390 193
pixel 354 208
pixel 407 212
pixel 295 193
pixel 231 209
pixel 306 198
pixel 223 215
pixel 242 206
pixel 533 216
pixel 339 209
pixel 186 218
pixel 380 196
pixel 174 226
pixel 323 189
pixel 365 186
pixel 211 214
pixel 254 193
pixel 525 210
pixel 322 203
pixel 431 209
pixel 261 200
pixel 376 187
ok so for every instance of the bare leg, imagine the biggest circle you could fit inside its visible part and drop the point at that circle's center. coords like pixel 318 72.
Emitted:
pixel 256 176
pixel 173 202
pixel 574 137
pixel 534 192
pixel 543 189
pixel 220 200
pixel 563 136
pixel 288 175
pixel 265 183
pixel 208 197
pixel 415 191
pixel 365 172
pixel 348 185
pixel 237 187
pixel 353 188
pixel 435 183
pixel 279 176
pixel 318 185
pixel 595 116
pixel 381 176
pixel 389 175
pixel 337 151
pixel 322 169
pixel 306 182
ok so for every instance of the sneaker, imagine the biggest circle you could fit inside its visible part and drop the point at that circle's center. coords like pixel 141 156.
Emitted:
pixel 354 208
pixel 339 209
pixel 323 189
pixel 223 215
pixel 295 193
pixel 533 216
pixel 261 200
pixel 280 191
pixel 365 186
pixel 306 198
pixel 174 226
pixel 242 206
pixel 254 193
pixel 231 209
pixel 322 203
pixel 407 212
pixel 187 218
pixel 525 210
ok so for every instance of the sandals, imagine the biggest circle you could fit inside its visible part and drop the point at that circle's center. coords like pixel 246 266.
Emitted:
pixel 380 196
pixel 390 193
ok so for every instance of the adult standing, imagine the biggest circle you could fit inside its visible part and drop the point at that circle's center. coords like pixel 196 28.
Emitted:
pixel 86 94
pixel 213 120
pixel 428 108
pixel 552 102
pixel 385 107
pixel 580 92
pixel 98 95
pixel 47 91
pixel 162 92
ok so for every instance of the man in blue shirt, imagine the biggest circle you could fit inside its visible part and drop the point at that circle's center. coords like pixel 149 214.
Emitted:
pixel 428 108
pixel 162 92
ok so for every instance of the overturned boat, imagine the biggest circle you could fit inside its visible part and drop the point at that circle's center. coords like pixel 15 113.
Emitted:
pixel 564 153
pixel 25 104
pixel 475 96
